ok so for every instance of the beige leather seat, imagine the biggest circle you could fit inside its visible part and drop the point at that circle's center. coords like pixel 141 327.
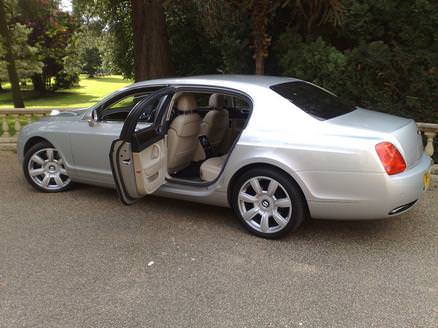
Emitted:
pixel 211 168
pixel 183 134
pixel 216 122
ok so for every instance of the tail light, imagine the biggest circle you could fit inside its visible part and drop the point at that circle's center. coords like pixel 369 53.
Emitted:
pixel 391 158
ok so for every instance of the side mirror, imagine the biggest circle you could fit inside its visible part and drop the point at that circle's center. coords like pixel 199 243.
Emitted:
pixel 93 119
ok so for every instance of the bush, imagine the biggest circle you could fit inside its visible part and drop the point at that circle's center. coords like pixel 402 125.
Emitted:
pixel 92 61
pixel 64 80
pixel 313 60
pixel 383 64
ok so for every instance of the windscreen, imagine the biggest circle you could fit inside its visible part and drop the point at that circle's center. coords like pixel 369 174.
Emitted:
pixel 313 100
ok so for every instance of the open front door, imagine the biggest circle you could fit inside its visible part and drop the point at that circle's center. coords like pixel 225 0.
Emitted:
pixel 139 157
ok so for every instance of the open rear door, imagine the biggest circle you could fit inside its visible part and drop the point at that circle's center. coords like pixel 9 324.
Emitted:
pixel 139 157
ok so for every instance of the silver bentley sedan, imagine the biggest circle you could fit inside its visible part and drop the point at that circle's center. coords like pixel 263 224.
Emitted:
pixel 276 150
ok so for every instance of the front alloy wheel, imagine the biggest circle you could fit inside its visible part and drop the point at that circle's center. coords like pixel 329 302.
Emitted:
pixel 44 168
pixel 268 202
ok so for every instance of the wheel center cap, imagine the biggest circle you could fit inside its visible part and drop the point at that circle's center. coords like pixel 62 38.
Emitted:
pixel 52 167
pixel 265 203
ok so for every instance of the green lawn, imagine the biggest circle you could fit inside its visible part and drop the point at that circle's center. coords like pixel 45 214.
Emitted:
pixel 89 91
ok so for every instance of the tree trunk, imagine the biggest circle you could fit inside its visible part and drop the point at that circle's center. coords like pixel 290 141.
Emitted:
pixel 38 83
pixel 259 62
pixel 262 41
pixel 151 43
pixel 17 97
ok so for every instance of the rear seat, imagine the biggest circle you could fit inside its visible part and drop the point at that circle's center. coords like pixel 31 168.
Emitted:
pixel 211 168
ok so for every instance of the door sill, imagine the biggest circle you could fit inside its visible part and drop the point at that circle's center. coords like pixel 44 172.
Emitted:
pixel 187 182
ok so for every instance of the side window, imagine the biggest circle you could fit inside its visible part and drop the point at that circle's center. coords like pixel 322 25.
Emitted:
pixel 239 103
pixel 119 110
pixel 202 99
pixel 149 113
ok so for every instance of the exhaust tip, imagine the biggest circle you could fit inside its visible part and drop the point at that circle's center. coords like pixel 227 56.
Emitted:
pixel 402 208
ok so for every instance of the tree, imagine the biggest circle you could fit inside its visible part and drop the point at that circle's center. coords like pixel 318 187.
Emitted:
pixel 52 30
pixel 389 65
pixel 201 55
pixel 119 36
pixel 5 34
pixel 93 33
pixel 92 61
pixel 26 57
pixel 262 13
pixel 140 43
pixel 151 43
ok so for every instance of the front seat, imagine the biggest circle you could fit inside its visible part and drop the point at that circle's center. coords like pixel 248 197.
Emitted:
pixel 183 134
pixel 216 122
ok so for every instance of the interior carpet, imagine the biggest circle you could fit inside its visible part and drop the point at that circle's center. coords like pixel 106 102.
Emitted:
pixel 191 172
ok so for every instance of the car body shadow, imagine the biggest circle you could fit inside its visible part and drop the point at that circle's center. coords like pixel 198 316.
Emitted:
pixel 357 231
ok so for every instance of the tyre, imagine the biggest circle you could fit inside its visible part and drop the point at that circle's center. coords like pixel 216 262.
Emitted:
pixel 44 168
pixel 268 202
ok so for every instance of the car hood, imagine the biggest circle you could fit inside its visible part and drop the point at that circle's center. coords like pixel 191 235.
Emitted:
pixel 70 115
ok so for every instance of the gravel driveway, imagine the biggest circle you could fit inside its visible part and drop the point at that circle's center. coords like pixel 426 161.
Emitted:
pixel 82 259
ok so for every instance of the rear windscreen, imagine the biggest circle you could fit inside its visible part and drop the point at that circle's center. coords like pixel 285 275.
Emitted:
pixel 313 100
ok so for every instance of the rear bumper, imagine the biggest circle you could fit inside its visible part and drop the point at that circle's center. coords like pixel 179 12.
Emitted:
pixel 407 186
pixel 378 195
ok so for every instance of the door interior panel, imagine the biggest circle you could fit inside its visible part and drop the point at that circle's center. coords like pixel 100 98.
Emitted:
pixel 123 171
pixel 150 168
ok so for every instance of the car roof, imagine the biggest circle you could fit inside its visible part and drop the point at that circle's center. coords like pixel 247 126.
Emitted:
pixel 223 80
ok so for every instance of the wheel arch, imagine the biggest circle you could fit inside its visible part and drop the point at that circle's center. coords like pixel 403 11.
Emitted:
pixel 32 142
pixel 263 165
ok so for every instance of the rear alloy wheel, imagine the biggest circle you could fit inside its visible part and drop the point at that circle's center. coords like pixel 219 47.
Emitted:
pixel 268 203
pixel 44 168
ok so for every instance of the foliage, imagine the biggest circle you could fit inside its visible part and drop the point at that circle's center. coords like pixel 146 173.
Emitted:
pixel 200 54
pixel 26 58
pixel 86 40
pixel 121 36
pixel 256 17
pixel 316 12
pixel 73 59
pixel 92 61
pixel 52 30
pixel 65 80
pixel 311 60
pixel 109 21
pixel 6 21
pixel 226 25
pixel 383 64
pixel 211 35
pixel 381 54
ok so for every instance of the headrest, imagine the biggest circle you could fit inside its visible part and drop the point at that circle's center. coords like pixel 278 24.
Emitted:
pixel 216 101
pixel 186 103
